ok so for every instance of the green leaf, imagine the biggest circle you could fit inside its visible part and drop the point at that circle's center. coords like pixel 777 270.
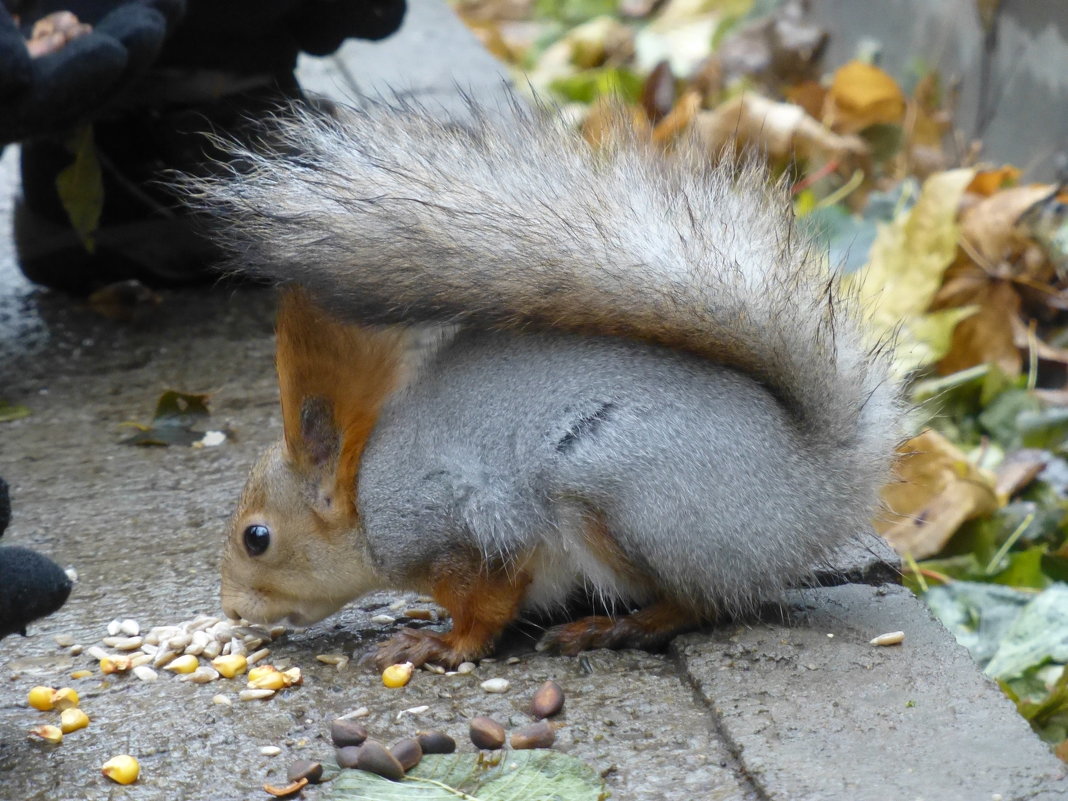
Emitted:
pixel 536 775
pixel 1046 709
pixel 588 85
pixel 177 414
pixel 978 615
pixel 81 187
pixel 1002 415
pixel 573 12
pixel 10 411
pixel 1043 428
pixel 1023 569
pixel 884 140
pixel 1039 634
pixel 847 237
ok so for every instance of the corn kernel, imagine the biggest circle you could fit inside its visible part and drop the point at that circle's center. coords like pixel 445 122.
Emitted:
pixel 65 699
pixel 267 677
pixel 397 675
pixel 183 664
pixel 50 734
pixel 118 663
pixel 41 698
pixel 72 719
pixel 230 665
pixel 293 677
pixel 123 769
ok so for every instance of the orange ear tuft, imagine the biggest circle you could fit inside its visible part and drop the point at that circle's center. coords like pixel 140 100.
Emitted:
pixel 334 378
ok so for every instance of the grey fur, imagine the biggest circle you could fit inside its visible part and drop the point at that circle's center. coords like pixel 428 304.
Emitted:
pixel 724 468
pixel 699 474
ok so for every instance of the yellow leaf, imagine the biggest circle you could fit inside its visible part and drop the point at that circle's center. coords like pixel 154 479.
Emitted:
pixel 862 95
pixel 938 491
pixel 907 262
pixel 81 187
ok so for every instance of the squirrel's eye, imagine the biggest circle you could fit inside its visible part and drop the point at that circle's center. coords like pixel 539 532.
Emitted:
pixel 257 538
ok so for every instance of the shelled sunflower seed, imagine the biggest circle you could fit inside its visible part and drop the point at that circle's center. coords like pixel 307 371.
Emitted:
pixel 186 648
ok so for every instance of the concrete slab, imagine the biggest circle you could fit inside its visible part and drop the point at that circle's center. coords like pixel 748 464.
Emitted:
pixel 812 710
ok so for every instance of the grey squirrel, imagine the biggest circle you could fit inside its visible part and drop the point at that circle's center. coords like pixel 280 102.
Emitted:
pixel 517 369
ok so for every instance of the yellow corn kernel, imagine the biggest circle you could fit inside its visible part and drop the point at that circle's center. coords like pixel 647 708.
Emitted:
pixel 183 664
pixel 72 719
pixel 397 675
pixel 41 698
pixel 50 734
pixel 65 699
pixel 266 677
pixel 123 769
pixel 230 665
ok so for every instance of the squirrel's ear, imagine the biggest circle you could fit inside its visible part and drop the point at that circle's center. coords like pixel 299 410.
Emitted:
pixel 320 440
pixel 334 377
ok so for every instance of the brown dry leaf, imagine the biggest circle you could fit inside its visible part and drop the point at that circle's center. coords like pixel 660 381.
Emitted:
pixel 708 81
pixel 987 182
pixel 1018 469
pixel 988 336
pixel 679 119
pixel 810 95
pixel 493 10
pixel 782 130
pixel 989 227
pixel 862 95
pixel 490 37
pixel 938 491
pixel 608 122
pixel 658 92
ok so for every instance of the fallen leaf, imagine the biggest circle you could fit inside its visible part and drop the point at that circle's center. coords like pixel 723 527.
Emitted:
pixel 908 260
pixel 177 414
pixel 658 92
pixel 988 335
pixel 989 227
pixel 938 489
pixel 678 120
pixel 1019 469
pixel 987 182
pixel 534 775
pixel 862 95
pixel 80 187
pixel 782 130
pixel 9 412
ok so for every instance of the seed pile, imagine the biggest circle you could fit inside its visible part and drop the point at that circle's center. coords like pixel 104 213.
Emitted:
pixel 356 749
pixel 200 650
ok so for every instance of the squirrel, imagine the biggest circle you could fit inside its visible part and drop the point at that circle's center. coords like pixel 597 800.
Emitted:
pixel 513 370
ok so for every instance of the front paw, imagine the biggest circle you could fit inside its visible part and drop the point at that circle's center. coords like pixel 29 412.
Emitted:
pixel 420 646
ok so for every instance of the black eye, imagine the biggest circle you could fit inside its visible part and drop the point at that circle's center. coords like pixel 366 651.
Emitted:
pixel 257 539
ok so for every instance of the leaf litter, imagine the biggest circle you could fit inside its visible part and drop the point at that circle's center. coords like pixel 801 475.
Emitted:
pixel 176 421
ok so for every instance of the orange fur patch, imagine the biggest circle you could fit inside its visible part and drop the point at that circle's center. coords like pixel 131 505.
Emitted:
pixel 353 368
pixel 604 546
pixel 481 601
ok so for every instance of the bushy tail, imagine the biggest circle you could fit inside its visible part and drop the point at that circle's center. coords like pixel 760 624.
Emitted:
pixel 388 214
